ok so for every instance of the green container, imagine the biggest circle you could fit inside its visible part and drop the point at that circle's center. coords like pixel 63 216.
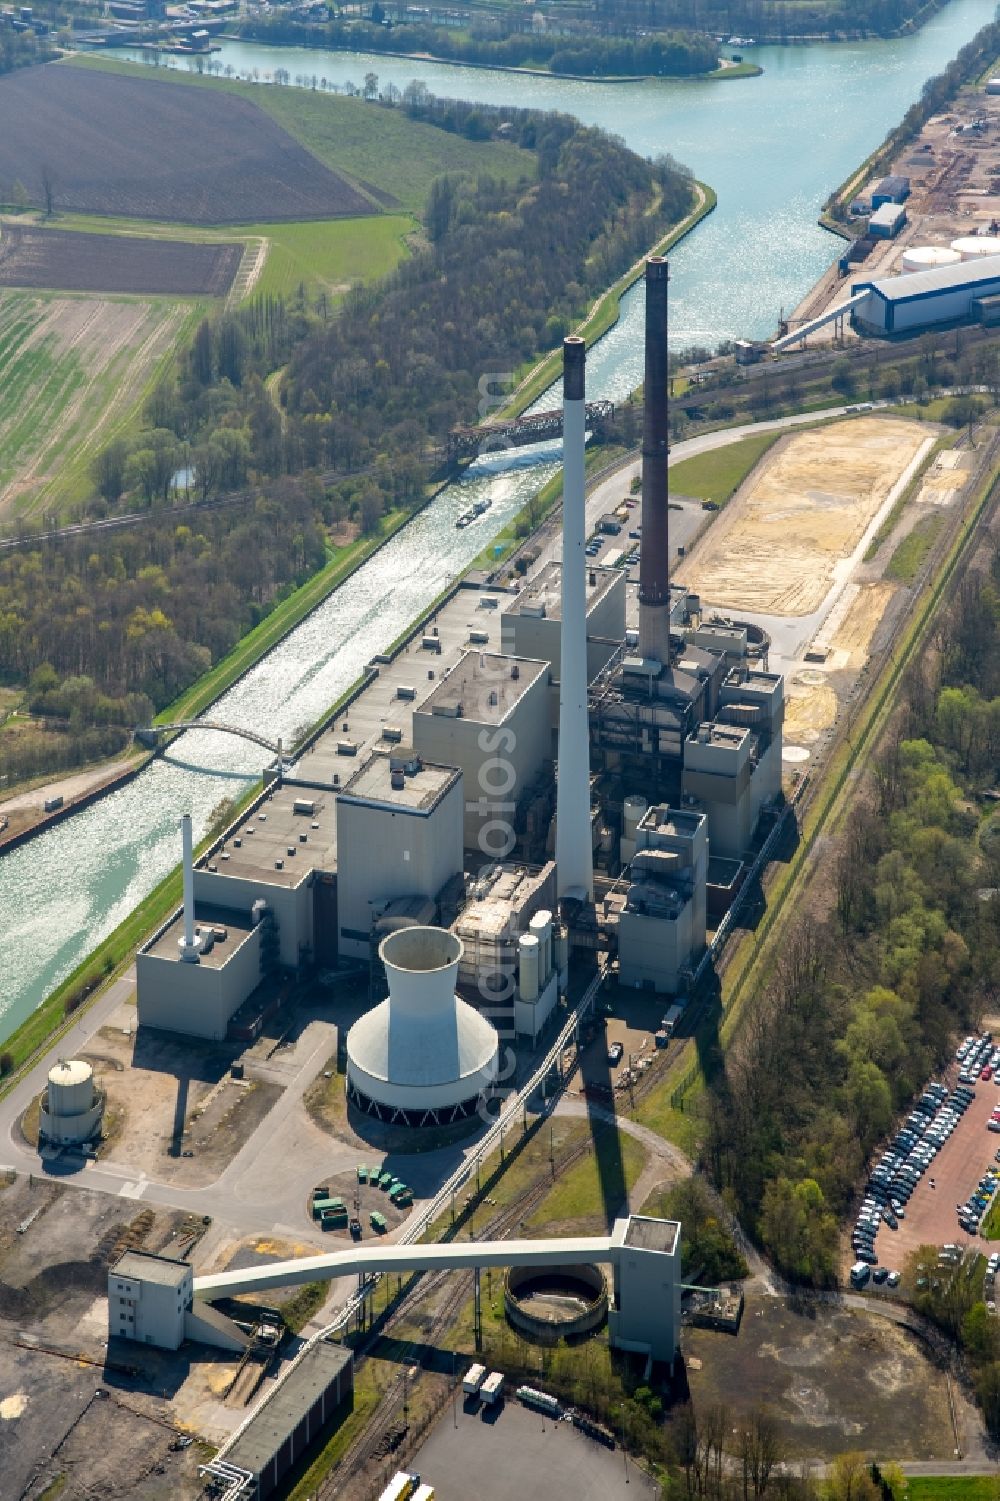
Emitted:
pixel 378 1222
pixel 334 1219
pixel 321 1193
pixel 362 1174
pixel 386 1180
pixel 321 1205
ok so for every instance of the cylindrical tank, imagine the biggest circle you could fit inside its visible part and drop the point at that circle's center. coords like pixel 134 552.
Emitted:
pixel 71 1087
pixel 928 257
pixel 635 810
pixel 972 247
pixel 541 926
pixel 561 948
pixel 528 959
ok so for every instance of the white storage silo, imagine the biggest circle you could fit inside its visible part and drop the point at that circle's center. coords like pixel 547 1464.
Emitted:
pixel 541 926
pixel 423 1057
pixel 928 257
pixel 972 247
pixel 71 1106
pixel 528 966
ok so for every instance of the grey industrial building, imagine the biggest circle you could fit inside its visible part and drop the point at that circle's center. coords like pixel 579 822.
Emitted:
pixel 661 927
pixel 490 717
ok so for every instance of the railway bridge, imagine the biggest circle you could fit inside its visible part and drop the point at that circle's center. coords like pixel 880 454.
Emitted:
pixel 534 427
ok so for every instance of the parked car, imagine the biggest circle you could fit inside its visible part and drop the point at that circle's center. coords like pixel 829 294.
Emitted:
pixel 615 1052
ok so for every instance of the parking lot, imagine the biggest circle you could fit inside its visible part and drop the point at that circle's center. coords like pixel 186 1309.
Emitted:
pixel 515 1452
pixel 939 1168
pixel 625 1030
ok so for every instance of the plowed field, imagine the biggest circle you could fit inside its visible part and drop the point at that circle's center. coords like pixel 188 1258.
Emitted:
pixel 66 261
pixel 142 149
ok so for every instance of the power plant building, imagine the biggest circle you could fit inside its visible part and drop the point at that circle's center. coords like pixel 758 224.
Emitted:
pixel 532 625
pixel 489 716
pixel 399 822
pixel 661 928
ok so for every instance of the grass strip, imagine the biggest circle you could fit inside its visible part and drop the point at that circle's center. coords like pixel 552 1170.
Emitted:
pixel 718 474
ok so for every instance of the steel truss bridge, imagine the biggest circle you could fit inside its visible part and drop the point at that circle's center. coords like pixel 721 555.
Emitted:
pixel 535 427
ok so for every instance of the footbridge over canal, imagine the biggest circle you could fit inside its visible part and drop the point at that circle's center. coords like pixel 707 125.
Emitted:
pixel 151 734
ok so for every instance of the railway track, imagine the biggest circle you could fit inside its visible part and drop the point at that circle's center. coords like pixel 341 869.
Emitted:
pixel 375 1438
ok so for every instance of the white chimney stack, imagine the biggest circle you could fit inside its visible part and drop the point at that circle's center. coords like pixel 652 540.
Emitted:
pixel 189 944
pixel 574 849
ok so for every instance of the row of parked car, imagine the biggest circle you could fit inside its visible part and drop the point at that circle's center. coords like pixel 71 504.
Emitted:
pixel 978 1059
pixel 904 1163
pixel 971 1212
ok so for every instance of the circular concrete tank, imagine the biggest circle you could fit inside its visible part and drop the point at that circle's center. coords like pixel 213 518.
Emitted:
pixel 423 1057
pixel 973 247
pixel 928 257
pixel 71 1106
pixel 555 1302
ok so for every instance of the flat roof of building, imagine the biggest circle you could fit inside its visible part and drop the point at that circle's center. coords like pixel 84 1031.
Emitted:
pixel 421 789
pixel 667 820
pixel 731 736
pixel 236 923
pixel 483 686
pixel 281 1414
pixel 927 283
pixel 652 1235
pixel 542 595
pixel 267 834
pixel 144 1266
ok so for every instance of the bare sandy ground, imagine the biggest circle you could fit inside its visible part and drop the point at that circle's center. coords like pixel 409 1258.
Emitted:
pixel 775 547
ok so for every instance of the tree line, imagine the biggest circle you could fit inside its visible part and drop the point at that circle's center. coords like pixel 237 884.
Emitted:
pixel 674 54
pixel 866 999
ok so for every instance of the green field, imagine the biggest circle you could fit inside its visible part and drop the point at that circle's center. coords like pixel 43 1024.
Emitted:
pixel 718 475
pixel 389 157
pixel 953 1488
pixel 907 560
pixel 73 372
pixel 332 254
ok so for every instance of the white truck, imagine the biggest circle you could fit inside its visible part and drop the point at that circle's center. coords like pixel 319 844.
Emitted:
pixel 473 1380
pixel 669 1022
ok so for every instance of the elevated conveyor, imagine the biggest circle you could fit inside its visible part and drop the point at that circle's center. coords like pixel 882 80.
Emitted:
pixel 800 334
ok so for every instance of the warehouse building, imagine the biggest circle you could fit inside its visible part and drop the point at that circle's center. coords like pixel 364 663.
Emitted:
pixel 892 189
pixel 288 1423
pixel 886 222
pixel 900 304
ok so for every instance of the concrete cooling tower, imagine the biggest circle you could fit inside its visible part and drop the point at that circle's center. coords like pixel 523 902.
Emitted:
pixel 423 1057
